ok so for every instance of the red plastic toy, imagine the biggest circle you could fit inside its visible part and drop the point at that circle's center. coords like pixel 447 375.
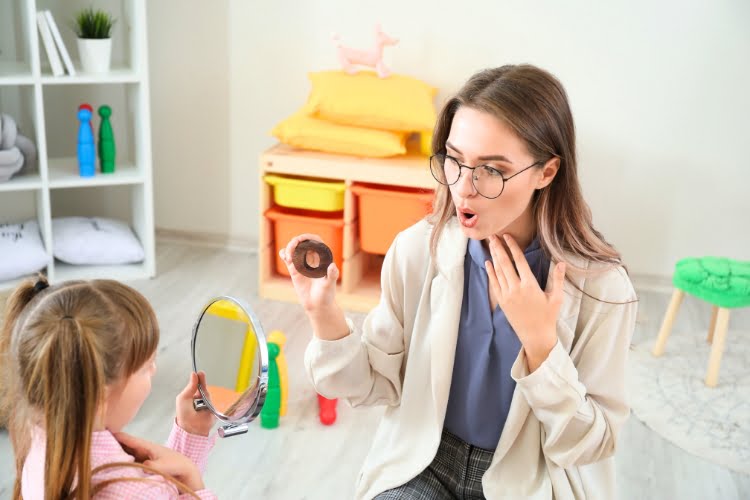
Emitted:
pixel 327 412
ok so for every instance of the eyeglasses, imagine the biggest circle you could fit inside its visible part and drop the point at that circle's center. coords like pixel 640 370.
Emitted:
pixel 488 181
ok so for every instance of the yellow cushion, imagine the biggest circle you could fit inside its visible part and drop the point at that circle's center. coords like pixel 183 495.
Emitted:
pixel 397 103
pixel 305 132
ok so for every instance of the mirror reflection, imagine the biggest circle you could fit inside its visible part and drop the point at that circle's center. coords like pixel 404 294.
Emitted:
pixel 230 347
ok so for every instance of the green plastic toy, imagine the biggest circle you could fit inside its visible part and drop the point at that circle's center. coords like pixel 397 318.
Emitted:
pixel 269 415
pixel 106 141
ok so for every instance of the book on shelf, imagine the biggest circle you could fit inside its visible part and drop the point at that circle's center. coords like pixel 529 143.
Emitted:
pixel 60 44
pixel 49 44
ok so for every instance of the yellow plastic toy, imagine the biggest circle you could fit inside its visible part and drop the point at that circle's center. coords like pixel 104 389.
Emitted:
pixel 278 338
pixel 229 310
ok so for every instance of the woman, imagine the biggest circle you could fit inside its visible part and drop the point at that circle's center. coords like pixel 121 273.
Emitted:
pixel 500 340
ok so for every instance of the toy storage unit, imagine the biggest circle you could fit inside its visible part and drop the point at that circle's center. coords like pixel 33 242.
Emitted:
pixel 357 205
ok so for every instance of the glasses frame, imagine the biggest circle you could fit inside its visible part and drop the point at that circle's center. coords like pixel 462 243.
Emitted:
pixel 461 167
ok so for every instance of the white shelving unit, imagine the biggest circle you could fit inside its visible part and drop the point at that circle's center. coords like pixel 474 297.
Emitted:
pixel 45 106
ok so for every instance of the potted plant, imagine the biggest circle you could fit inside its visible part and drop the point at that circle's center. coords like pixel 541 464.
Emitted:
pixel 94 30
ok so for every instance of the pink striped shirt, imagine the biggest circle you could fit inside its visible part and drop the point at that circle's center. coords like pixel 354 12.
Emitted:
pixel 105 449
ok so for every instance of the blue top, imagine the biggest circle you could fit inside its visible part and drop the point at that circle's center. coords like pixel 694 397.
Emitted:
pixel 482 388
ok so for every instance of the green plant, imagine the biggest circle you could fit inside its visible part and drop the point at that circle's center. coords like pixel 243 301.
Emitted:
pixel 91 23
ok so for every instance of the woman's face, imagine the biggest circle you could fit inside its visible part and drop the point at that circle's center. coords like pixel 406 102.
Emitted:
pixel 478 138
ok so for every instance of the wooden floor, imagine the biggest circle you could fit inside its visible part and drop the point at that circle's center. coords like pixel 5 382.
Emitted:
pixel 303 459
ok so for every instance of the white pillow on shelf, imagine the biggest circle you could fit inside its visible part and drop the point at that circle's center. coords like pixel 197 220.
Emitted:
pixel 22 252
pixel 94 241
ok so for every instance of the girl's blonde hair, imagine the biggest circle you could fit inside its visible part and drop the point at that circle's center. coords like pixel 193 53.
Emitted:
pixel 60 346
pixel 534 104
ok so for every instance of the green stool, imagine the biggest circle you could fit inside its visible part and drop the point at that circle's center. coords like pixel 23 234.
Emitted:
pixel 725 283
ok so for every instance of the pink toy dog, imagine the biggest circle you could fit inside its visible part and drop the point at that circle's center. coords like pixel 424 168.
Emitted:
pixel 349 58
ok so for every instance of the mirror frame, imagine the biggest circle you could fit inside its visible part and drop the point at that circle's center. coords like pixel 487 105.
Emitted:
pixel 235 425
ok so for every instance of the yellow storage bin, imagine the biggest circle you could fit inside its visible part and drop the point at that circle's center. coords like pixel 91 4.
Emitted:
pixel 307 194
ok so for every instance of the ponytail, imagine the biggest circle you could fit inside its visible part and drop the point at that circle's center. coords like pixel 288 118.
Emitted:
pixel 73 384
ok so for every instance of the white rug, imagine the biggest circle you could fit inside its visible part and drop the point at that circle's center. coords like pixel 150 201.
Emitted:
pixel 668 394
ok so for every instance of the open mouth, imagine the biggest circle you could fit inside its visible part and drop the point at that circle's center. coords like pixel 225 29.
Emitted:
pixel 467 217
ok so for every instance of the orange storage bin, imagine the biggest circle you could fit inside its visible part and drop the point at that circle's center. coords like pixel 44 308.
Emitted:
pixel 288 223
pixel 384 211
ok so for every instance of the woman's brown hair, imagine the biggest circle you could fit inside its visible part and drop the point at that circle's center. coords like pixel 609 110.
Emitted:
pixel 534 104
pixel 60 346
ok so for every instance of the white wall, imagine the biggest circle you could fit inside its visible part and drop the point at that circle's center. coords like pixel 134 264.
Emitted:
pixel 660 92
pixel 190 74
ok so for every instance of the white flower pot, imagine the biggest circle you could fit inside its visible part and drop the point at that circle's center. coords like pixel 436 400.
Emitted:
pixel 95 54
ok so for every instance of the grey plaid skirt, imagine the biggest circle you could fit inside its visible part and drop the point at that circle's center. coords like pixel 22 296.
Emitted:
pixel 455 473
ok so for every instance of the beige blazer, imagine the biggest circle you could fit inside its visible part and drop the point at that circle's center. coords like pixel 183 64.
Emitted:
pixel 560 435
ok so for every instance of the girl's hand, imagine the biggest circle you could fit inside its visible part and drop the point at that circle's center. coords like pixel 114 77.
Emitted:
pixel 161 458
pixel 531 311
pixel 317 295
pixel 194 422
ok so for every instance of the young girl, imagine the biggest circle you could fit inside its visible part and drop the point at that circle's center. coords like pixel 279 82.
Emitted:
pixel 500 340
pixel 78 360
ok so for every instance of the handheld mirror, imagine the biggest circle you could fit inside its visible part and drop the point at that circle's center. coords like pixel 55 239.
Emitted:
pixel 229 345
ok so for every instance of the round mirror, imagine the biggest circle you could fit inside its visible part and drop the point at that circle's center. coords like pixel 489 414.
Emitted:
pixel 229 345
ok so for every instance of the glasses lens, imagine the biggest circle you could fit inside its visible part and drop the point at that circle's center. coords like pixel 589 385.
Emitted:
pixel 488 182
pixel 444 169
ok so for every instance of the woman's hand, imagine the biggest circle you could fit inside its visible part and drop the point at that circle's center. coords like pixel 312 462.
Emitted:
pixel 317 295
pixel 163 459
pixel 194 422
pixel 531 311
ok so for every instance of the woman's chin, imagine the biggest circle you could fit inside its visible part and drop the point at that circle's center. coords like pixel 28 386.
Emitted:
pixel 475 233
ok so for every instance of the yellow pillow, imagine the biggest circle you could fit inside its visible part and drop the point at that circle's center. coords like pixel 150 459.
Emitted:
pixel 398 103
pixel 301 131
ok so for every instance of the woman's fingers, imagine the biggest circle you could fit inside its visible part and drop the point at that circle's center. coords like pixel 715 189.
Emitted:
pixel 503 264
pixel 496 288
pixel 332 274
pixel 522 265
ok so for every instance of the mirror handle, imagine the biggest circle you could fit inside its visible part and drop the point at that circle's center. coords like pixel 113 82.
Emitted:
pixel 232 430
